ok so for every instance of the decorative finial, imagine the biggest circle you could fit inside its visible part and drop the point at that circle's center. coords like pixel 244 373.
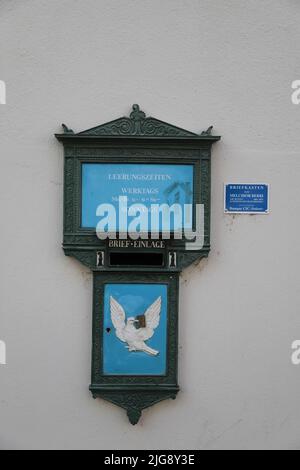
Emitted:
pixel 134 415
pixel 208 131
pixel 67 130
pixel 137 114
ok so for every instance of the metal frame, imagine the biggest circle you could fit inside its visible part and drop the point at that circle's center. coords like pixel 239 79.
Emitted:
pixel 134 393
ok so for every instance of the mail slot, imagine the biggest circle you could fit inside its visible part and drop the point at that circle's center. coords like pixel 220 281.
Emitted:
pixel 136 259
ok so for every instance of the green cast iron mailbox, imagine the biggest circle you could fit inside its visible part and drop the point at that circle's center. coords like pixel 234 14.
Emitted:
pixel 136 212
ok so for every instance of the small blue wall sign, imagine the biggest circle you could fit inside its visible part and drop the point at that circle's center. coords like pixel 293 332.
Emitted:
pixel 246 198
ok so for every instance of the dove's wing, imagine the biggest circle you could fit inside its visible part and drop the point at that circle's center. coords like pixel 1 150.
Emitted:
pixel 118 318
pixel 152 320
pixel 153 314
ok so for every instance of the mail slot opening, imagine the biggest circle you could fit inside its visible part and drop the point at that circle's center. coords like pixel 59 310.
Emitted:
pixel 137 259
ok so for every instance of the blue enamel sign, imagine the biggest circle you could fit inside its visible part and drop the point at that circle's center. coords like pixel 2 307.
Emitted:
pixel 135 329
pixel 146 184
pixel 247 198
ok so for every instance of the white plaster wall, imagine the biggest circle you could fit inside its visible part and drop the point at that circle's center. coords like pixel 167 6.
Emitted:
pixel 193 63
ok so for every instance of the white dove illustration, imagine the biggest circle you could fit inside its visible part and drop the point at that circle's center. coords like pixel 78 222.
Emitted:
pixel 134 336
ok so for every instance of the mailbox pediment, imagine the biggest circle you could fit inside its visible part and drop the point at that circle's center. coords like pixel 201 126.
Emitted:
pixel 137 125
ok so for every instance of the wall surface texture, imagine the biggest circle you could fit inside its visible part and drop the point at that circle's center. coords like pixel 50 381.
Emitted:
pixel 192 63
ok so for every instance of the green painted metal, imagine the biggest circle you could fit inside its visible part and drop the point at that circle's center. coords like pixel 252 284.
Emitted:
pixel 134 139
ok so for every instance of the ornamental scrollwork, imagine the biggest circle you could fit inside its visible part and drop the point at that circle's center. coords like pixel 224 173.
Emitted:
pixel 138 125
pixel 134 402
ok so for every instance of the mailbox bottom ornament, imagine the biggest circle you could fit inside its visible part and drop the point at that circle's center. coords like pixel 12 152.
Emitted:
pixel 134 402
pixel 135 339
